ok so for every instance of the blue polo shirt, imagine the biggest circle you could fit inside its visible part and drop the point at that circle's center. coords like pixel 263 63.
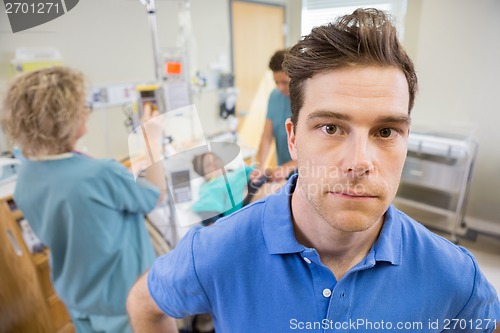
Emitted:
pixel 252 275
pixel 278 111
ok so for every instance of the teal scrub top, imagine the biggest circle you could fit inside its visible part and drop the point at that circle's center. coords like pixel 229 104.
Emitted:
pixel 278 111
pixel 90 213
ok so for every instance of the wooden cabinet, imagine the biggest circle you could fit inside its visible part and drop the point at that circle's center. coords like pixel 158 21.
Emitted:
pixel 28 303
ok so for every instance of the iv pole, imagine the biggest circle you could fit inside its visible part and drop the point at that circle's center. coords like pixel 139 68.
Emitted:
pixel 151 10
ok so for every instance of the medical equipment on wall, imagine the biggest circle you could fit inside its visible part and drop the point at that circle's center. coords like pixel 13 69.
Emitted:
pixel 29 59
pixel 227 95
pixel 176 65
pixel 436 178
pixel 172 68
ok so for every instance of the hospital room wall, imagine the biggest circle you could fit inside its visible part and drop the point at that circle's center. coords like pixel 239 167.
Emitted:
pixel 456 47
pixel 110 42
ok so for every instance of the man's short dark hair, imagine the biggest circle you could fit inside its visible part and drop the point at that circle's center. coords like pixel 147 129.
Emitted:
pixel 276 62
pixel 366 37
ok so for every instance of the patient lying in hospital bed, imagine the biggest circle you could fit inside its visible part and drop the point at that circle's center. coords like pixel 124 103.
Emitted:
pixel 224 192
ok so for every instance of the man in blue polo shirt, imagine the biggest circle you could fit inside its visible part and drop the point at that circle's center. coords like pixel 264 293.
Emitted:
pixel 328 253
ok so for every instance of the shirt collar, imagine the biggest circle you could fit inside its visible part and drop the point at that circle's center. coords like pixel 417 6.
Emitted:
pixel 277 224
pixel 52 157
pixel 388 245
pixel 280 237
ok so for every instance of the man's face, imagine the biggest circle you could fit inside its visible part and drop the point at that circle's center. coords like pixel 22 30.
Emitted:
pixel 350 142
pixel 281 80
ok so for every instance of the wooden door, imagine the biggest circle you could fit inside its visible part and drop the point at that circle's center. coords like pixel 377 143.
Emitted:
pixel 22 305
pixel 257 34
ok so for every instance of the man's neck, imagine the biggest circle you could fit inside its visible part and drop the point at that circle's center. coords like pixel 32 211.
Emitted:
pixel 339 250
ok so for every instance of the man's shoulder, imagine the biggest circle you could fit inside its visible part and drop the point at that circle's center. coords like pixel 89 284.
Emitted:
pixel 233 236
pixel 239 224
pixel 445 271
pixel 423 246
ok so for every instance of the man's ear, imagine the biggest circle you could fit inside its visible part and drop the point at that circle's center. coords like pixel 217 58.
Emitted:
pixel 290 131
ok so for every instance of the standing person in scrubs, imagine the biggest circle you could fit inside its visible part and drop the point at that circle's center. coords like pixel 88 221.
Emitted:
pixel 89 212
pixel 278 111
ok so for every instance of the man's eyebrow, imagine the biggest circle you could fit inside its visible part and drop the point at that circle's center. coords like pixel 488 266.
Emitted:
pixel 403 119
pixel 327 114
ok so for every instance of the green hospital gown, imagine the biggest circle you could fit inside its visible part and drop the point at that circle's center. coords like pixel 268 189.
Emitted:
pixel 215 195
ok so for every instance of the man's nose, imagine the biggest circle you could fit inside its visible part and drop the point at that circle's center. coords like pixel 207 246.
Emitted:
pixel 358 156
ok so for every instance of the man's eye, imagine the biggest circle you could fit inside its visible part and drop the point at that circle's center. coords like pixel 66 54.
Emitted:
pixel 386 132
pixel 330 129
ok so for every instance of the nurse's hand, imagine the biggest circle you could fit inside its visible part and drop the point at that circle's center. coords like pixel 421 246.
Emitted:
pixel 148 112
pixel 152 125
pixel 256 174
pixel 152 129
pixel 150 120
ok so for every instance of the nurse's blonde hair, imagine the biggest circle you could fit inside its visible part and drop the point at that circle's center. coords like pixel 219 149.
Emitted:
pixel 43 110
